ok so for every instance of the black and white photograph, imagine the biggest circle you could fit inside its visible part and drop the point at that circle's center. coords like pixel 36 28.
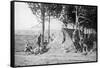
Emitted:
pixel 54 33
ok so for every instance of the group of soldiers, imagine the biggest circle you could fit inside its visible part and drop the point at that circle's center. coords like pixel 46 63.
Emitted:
pixel 82 43
pixel 36 49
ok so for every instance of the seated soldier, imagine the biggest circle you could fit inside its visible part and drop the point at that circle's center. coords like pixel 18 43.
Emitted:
pixel 28 48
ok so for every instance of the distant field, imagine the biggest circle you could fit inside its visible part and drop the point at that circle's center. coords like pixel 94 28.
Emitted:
pixel 20 41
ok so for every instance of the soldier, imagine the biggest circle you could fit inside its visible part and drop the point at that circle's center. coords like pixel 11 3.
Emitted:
pixel 37 48
pixel 39 40
pixel 28 48
pixel 26 45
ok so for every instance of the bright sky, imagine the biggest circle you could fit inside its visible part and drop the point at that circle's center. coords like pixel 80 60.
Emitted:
pixel 25 20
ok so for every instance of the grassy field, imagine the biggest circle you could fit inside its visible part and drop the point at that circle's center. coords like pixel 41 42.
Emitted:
pixel 55 55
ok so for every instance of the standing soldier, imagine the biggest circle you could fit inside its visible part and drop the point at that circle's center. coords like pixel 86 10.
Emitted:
pixel 37 49
pixel 39 40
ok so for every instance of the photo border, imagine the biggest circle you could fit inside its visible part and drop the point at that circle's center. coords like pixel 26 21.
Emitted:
pixel 12 35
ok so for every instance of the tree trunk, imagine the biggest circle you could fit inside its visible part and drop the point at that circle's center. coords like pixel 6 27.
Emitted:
pixel 49 29
pixel 77 28
pixel 76 24
pixel 43 23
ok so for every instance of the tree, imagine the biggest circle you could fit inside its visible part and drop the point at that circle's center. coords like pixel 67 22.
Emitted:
pixel 52 10
pixel 84 19
pixel 39 10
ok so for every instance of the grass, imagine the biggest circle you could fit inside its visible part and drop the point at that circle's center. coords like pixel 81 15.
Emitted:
pixel 53 56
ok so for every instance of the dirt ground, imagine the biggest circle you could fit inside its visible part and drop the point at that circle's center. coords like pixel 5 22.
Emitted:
pixel 52 58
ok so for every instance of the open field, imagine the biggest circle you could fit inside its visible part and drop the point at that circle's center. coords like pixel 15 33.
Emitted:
pixel 56 53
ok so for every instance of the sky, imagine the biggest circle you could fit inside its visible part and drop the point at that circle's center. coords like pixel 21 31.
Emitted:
pixel 25 20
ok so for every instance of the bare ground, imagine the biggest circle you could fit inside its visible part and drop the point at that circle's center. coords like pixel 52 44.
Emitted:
pixel 56 54
pixel 52 58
